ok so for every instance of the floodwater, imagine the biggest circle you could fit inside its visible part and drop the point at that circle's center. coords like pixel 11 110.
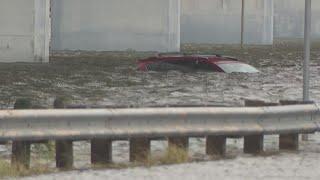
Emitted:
pixel 110 78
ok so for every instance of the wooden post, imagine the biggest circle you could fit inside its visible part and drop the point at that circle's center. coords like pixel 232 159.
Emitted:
pixel 20 154
pixel 64 148
pixel 21 149
pixel 289 142
pixel 139 149
pixel 179 142
pixel 101 151
pixel 216 145
pixel 253 144
pixel 64 154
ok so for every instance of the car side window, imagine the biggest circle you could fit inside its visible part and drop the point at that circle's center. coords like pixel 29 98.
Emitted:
pixel 187 63
pixel 203 65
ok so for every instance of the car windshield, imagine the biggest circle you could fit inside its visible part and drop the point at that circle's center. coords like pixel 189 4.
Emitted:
pixel 237 67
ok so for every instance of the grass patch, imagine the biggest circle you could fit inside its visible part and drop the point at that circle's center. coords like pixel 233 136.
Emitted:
pixel 174 155
pixel 44 151
pixel 6 170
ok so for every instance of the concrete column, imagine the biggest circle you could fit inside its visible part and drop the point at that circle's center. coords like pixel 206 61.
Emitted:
pixel 216 145
pixel 42 30
pixel 101 151
pixel 268 22
pixel 139 149
pixel 253 144
pixel 174 25
pixel 179 142
pixel 21 149
pixel 289 142
pixel 64 154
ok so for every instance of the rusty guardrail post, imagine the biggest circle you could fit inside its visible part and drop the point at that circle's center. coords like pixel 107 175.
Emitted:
pixel 64 148
pixel 216 145
pixel 253 144
pixel 101 151
pixel 139 149
pixel 179 142
pixel 21 149
pixel 289 141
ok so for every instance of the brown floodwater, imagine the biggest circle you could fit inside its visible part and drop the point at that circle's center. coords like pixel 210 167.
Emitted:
pixel 111 78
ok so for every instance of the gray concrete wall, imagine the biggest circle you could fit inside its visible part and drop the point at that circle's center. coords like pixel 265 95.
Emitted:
pixel 116 25
pixel 16 31
pixel 219 21
pixel 289 18
pixel 21 35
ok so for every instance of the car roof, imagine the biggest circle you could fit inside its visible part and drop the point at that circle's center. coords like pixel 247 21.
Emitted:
pixel 211 58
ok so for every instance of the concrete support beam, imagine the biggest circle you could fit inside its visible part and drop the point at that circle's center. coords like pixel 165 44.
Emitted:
pixel 179 142
pixel 101 151
pixel 42 30
pixel 139 149
pixel 253 144
pixel 64 154
pixel 216 145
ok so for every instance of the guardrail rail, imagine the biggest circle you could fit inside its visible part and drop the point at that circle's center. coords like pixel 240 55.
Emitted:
pixel 140 125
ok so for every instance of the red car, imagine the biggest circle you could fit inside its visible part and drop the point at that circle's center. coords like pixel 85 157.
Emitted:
pixel 214 63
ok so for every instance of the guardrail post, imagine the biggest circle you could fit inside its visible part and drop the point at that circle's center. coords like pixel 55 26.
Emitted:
pixel 305 137
pixel 216 145
pixel 253 144
pixel 179 142
pixel 20 154
pixel 64 154
pixel 139 149
pixel 101 151
pixel 21 149
pixel 289 141
pixel 64 148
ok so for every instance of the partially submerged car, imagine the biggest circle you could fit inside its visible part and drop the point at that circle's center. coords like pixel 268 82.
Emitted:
pixel 213 63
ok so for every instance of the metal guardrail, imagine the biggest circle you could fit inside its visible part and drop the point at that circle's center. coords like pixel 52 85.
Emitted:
pixel 83 124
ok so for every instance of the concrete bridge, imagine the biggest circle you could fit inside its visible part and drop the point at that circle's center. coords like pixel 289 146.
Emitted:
pixel 30 28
